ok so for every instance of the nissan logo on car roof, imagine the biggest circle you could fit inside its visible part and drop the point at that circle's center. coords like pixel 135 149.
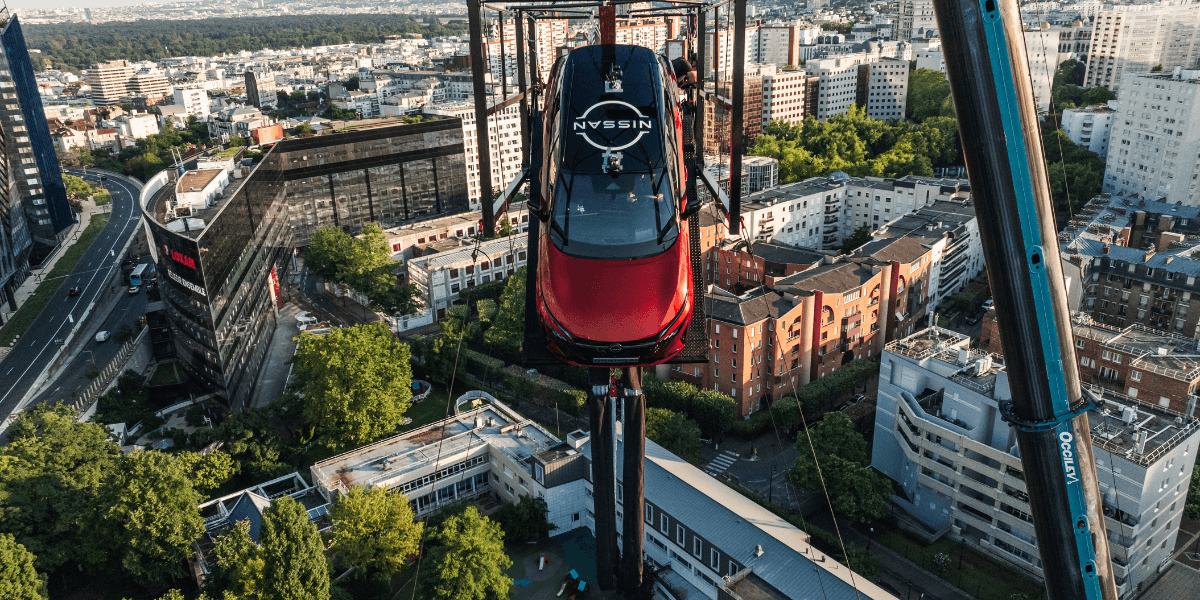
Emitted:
pixel 583 124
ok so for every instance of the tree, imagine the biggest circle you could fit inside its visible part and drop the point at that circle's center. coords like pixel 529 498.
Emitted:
pixel 856 491
pixel 50 482
pixel 294 566
pixel 356 382
pixel 508 329
pixel 928 95
pixel 18 579
pixel 352 84
pixel 304 128
pixel 374 529
pixel 673 432
pixel 239 563
pixel 713 411
pixel 76 187
pixel 524 521
pixel 209 472
pixel 1191 508
pixel 1096 95
pixel 487 309
pixel 1076 174
pixel 150 513
pixel 860 237
pixel 368 267
pixel 469 563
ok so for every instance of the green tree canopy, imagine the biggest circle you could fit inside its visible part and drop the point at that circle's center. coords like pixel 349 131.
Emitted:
pixel 712 411
pixel 18 579
pixel 1191 507
pixel 51 475
pixel 239 563
pixel 856 491
pixel 294 566
pixel 928 95
pixel 469 562
pixel 860 237
pixel 209 472
pixel 151 515
pixel 524 521
pixel 357 382
pixel 1076 174
pixel 508 328
pixel 374 530
pixel 672 431
pixel 363 264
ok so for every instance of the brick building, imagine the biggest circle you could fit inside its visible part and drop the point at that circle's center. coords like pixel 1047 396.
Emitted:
pixel 739 265
pixel 778 337
pixel 1155 367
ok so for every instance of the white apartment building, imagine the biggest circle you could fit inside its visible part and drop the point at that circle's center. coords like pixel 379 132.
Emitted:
pixel 260 90
pixel 1090 126
pixel 939 433
pixel 650 33
pixel 137 125
pixel 1041 47
pixel 440 277
pixel 887 93
pixel 914 19
pixel 761 172
pixel 949 229
pixel 931 57
pixel 1155 139
pixel 838 83
pixel 783 96
pixel 779 44
pixel 410 240
pixel 109 81
pixel 1134 38
pixel 194 100
pixel 504 137
pixel 820 212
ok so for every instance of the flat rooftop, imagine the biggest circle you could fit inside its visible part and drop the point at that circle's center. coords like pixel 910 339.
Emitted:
pixel 752 587
pixel 1121 424
pixel 391 459
pixel 195 181
pixel 927 343
pixel 1165 354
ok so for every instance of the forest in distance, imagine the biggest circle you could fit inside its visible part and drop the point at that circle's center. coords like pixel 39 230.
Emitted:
pixel 77 46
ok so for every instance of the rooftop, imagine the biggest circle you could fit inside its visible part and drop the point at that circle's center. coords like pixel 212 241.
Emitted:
pixel 493 425
pixel 195 181
pixel 471 253
pixel 1162 353
pixel 1137 431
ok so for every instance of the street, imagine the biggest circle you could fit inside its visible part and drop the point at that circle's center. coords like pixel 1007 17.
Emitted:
pixel 63 317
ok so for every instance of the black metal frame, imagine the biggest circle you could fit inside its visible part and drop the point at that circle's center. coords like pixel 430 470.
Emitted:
pixel 534 352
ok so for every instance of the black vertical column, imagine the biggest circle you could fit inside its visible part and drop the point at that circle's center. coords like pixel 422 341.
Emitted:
pixel 523 86
pixel 604 488
pixel 701 60
pixel 633 479
pixel 370 200
pixel 478 68
pixel 735 127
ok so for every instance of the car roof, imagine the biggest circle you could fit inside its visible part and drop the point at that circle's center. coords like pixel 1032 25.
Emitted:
pixel 630 121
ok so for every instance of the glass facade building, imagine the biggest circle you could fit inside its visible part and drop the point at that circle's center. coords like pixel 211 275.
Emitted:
pixel 220 272
pixel 388 175
pixel 37 176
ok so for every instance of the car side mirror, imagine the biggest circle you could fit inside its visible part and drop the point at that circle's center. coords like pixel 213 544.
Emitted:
pixel 536 206
pixel 691 207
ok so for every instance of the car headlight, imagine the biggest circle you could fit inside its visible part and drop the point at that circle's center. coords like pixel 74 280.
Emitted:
pixel 556 328
pixel 669 331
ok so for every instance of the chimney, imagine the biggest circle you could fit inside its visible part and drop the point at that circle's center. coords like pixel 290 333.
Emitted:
pixel 1106 249
pixel 758 551
pixel 1141 447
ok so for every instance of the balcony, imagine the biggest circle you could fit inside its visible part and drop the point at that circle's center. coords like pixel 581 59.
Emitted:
pixel 829 220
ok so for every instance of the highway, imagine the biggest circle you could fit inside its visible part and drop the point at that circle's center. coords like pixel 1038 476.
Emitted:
pixel 29 359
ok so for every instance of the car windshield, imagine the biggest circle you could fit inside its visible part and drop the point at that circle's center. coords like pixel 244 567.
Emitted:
pixel 600 216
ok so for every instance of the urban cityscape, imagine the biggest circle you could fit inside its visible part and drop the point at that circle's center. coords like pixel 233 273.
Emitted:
pixel 443 300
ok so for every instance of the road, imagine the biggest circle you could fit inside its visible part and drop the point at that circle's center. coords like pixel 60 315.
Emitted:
pixel 21 370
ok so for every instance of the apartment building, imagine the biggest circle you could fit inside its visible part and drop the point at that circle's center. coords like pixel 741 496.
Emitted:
pixel 949 229
pixel 1041 49
pixel 806 325
pixel 1091 126
pixel 194 100
pixel 504 138
pixel 460 265
pixel 149 87
pixel 939 433
pixel 820 212
pixel 109 82
pixel 137 125
pixel 779 44
pixel 785 95
pixel 1132 39
pixel 1131 262
pixel 879 85
pixel 260 90
pixel 1154 143
pixel 737 265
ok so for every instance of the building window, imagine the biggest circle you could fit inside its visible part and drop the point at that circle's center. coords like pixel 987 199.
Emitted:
pixel 714 559
pixel 650 514
pixel 662 524
pixel 696 547
pixel 1135 375
pixel 680 535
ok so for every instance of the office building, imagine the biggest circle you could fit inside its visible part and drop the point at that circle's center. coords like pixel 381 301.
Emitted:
pixel 938 432
pixel 1155 138
pixel 1090 126
pixel 109 82
pixel 1133 39
pixel 504 137
pixel 221 254
pixel 697 528
pixel 761 173
pixel 260 90
pixel 35 174
pixel 458 264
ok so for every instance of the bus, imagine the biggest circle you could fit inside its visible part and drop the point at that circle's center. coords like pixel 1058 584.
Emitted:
pixel 135 278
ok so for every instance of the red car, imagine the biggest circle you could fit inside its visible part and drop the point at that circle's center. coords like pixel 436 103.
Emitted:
pixel 614 276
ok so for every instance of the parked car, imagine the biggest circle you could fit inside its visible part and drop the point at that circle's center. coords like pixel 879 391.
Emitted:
pixel 102 336
pixel 104 178
pixel 857 398
pixel 75 291
pixel 134 289
pixel 305 319
pixel 988 303
pixel 974 318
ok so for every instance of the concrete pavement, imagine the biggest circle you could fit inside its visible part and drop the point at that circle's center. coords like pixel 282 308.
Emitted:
pixel 273 377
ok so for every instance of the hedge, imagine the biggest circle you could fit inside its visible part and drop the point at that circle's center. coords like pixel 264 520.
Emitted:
pixel 535 387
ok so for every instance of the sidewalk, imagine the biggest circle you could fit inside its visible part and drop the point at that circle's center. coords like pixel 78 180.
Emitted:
pixel 275 370
pixel 36 275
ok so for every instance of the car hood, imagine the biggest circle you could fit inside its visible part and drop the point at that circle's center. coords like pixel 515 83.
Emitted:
pixel 614 301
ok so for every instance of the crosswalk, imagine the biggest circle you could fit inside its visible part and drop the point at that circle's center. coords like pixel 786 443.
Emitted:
pixel 719 464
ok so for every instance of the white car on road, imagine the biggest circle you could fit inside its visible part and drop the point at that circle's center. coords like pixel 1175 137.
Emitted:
pixel 102 336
